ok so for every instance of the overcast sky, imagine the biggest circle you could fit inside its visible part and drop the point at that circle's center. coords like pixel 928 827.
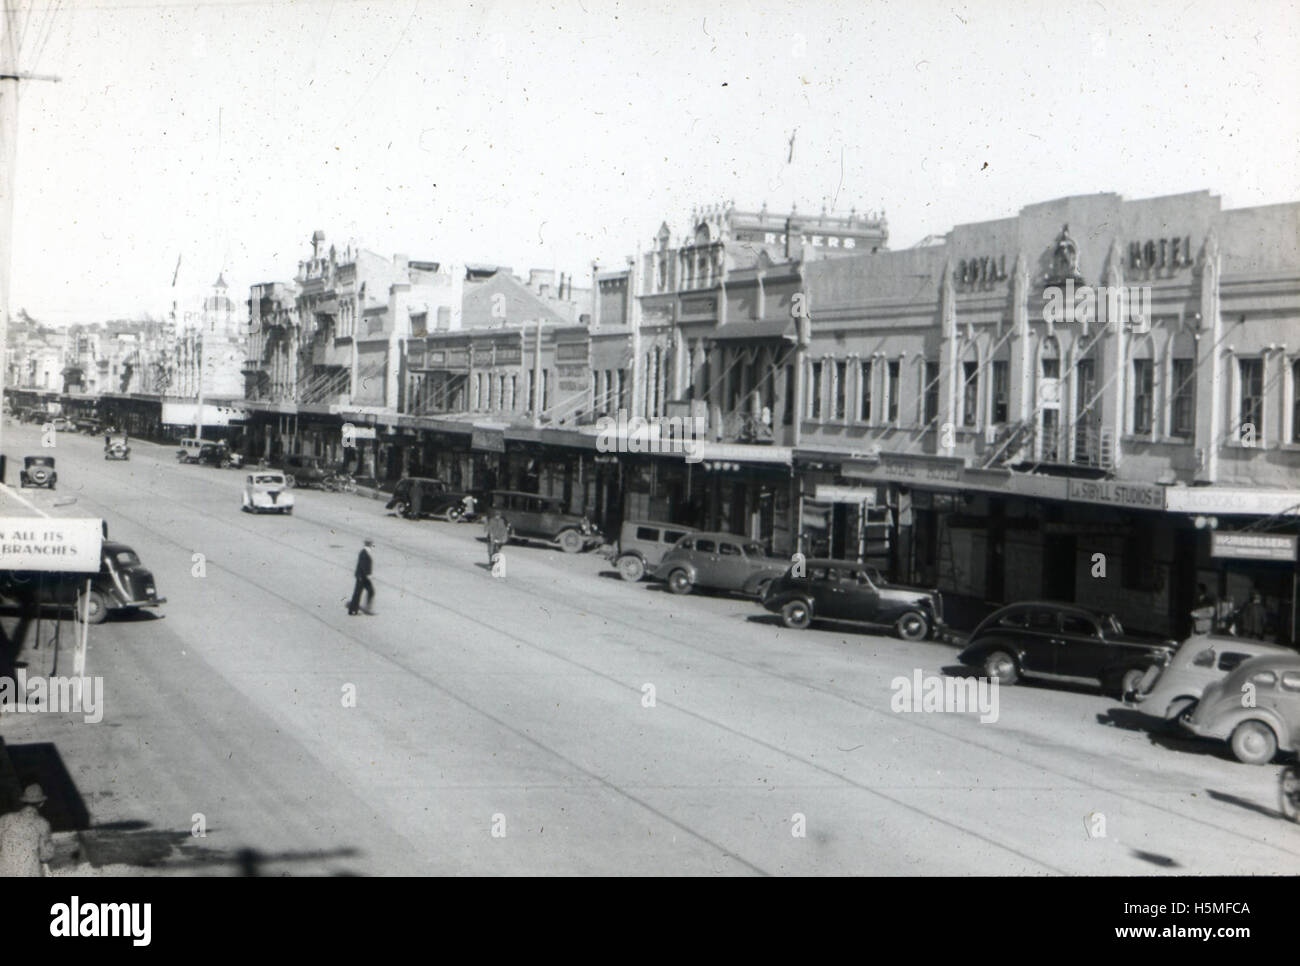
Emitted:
pixel 551 135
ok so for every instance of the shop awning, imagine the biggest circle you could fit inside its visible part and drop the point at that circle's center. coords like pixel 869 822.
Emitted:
pixel 762 329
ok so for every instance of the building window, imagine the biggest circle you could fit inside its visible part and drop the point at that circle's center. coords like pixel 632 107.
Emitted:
pixel 1001 400
pixel 787 418
pixel 930 393
pixel 892 370
pixel 865 395
pixel 1250 420
pixel 815 391
pixel 841 390
pixel 1295 401
pixel 970 374
pixel 1143 395
pixel 1182 421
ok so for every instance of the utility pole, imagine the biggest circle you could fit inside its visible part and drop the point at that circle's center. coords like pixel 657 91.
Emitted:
pixel 9 78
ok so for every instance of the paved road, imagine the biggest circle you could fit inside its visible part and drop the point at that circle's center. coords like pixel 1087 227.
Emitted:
pixel 519 706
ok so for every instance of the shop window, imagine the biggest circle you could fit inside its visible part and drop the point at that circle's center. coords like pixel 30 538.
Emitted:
pixel 930 393
pixel 1250 399
pixel 1001 394
pixel 1182 420
pixel 1143 395
pixel 969 393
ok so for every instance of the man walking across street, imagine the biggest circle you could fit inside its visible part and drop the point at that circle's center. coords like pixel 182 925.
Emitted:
pixel 365 565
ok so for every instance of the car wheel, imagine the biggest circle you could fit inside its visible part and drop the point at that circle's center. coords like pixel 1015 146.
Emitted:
pixel 400 509
pixel 1001 667
pixel 1129 681
pixel 1288 788
pixel 679 582
pixel 796 615
pixel 1254 743
pixel 289 481
pixel 454 513
pixel 1180 709
pixel 630 567
pixel 288 511
pixel 93 609
pixel 912 626
pixel 571 541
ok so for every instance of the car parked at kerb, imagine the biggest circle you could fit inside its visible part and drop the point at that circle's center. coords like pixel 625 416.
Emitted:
pixel 122 583
pixel 844 590
pixel 38 471
pixel 1256 708
pixel 719 561
pixel 1171 690
pixel 642 544
pixel 1062 642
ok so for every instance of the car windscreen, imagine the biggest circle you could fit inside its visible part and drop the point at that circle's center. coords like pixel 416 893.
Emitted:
pixel 126 558
pixel 268 479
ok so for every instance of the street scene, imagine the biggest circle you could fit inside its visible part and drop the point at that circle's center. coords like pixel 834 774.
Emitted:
pixel 393 501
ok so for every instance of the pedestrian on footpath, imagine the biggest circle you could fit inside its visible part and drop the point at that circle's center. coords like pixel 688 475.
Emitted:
pixel 497 535
pixel 365 566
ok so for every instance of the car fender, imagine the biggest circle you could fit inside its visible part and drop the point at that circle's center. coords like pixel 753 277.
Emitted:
pixel 1223 725
pixel 974 654
pixel 752 583
pixel 668 566
pixel 778 602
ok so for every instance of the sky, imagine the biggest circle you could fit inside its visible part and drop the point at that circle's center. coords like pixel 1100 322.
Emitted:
pixel 550 135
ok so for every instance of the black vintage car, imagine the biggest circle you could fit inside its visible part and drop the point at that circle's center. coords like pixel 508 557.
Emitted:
pixel 117 446
pixel 304 471
pixel 122 583
pixel 1063 642
pixel 416 497
pixel 842 590
pixel 529 516
pixel 38 471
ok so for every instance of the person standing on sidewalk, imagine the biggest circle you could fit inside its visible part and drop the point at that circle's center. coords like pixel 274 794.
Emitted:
pixel 497 535
pixel 365 566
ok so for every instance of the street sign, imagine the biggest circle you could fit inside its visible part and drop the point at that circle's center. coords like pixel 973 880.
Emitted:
pixel 50 544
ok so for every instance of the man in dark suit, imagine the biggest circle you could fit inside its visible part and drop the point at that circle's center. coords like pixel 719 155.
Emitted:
pixel 365 565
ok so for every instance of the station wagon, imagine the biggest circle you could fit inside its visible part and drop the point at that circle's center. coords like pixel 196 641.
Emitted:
pixel 642 545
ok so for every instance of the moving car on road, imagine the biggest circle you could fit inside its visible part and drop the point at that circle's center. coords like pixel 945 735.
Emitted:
pixel 122 583
pixel 1256 708
pixel 433 497
pixel 1063 642
pixel 304 471
pixel 1171 690
pixel 842 590
pixel 544 519
pixel 267 491
pixel 117 447
pixel 218 454
pixel 642 545
pixel 38 471
pixel 719 561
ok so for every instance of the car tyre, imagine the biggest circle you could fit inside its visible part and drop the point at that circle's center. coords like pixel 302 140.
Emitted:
pixel 630 567
pixel 571 541
pixel 1179 710
pixel 290 481
pixel 454 513
pixel 98 607
pixel 1001 667
pixel 912 626
pixel 1253 743
pixel 679 582
pixel 1129 681
pixel 796 615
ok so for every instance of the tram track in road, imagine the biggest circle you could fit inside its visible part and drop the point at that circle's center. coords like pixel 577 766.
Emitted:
pixel 566 604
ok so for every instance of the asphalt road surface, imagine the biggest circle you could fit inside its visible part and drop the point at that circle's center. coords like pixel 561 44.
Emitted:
pixel 560 720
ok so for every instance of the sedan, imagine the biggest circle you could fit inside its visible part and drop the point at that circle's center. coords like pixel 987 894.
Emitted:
pixel 1065 643
pixel 719 561
pixel 842 590
pixel 267 491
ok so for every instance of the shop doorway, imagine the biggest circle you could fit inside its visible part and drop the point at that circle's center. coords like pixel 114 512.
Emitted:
pixel 1059 561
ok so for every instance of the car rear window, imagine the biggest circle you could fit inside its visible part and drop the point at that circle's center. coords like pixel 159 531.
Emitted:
pixel 728 550
pixel 1073 624
pixel 647 533
pixel 706 546
pixel 1230 660
pixel 1042 620
pixel 1015 618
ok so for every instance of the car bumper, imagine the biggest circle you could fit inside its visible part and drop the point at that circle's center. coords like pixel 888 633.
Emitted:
pixel 134 604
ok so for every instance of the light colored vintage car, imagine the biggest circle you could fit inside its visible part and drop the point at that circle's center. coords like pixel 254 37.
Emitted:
pixel 1171 690
pixel 1255 709
pixel 267 491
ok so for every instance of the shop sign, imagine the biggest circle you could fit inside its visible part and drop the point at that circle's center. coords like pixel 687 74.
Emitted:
pixel 571 352
pixel 573 379
pixel 845 494
pixel 1252 546
pixel 488 440
pixel 916 470
pixel 1131 496
pixel 1226 499
pixel 51 545
pixel 508 355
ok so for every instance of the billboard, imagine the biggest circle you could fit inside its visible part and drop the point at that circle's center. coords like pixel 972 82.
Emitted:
pixel 183 414
pixel 50 544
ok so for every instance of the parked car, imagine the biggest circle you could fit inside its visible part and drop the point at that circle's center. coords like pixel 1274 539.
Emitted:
pixel 434 497
pixel 719 561
pixel 63 425
pixel 122 583
pixel 1061 641
pixel 89 425
pixel 544 519
pixel 267 491
pixel 843 590
pixel 303 471
pixel 218 454
pixel 1172 690
pixel 642 544
pixel 1256 708
pixel 117 447
pixel 38 471
pixel 191 449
